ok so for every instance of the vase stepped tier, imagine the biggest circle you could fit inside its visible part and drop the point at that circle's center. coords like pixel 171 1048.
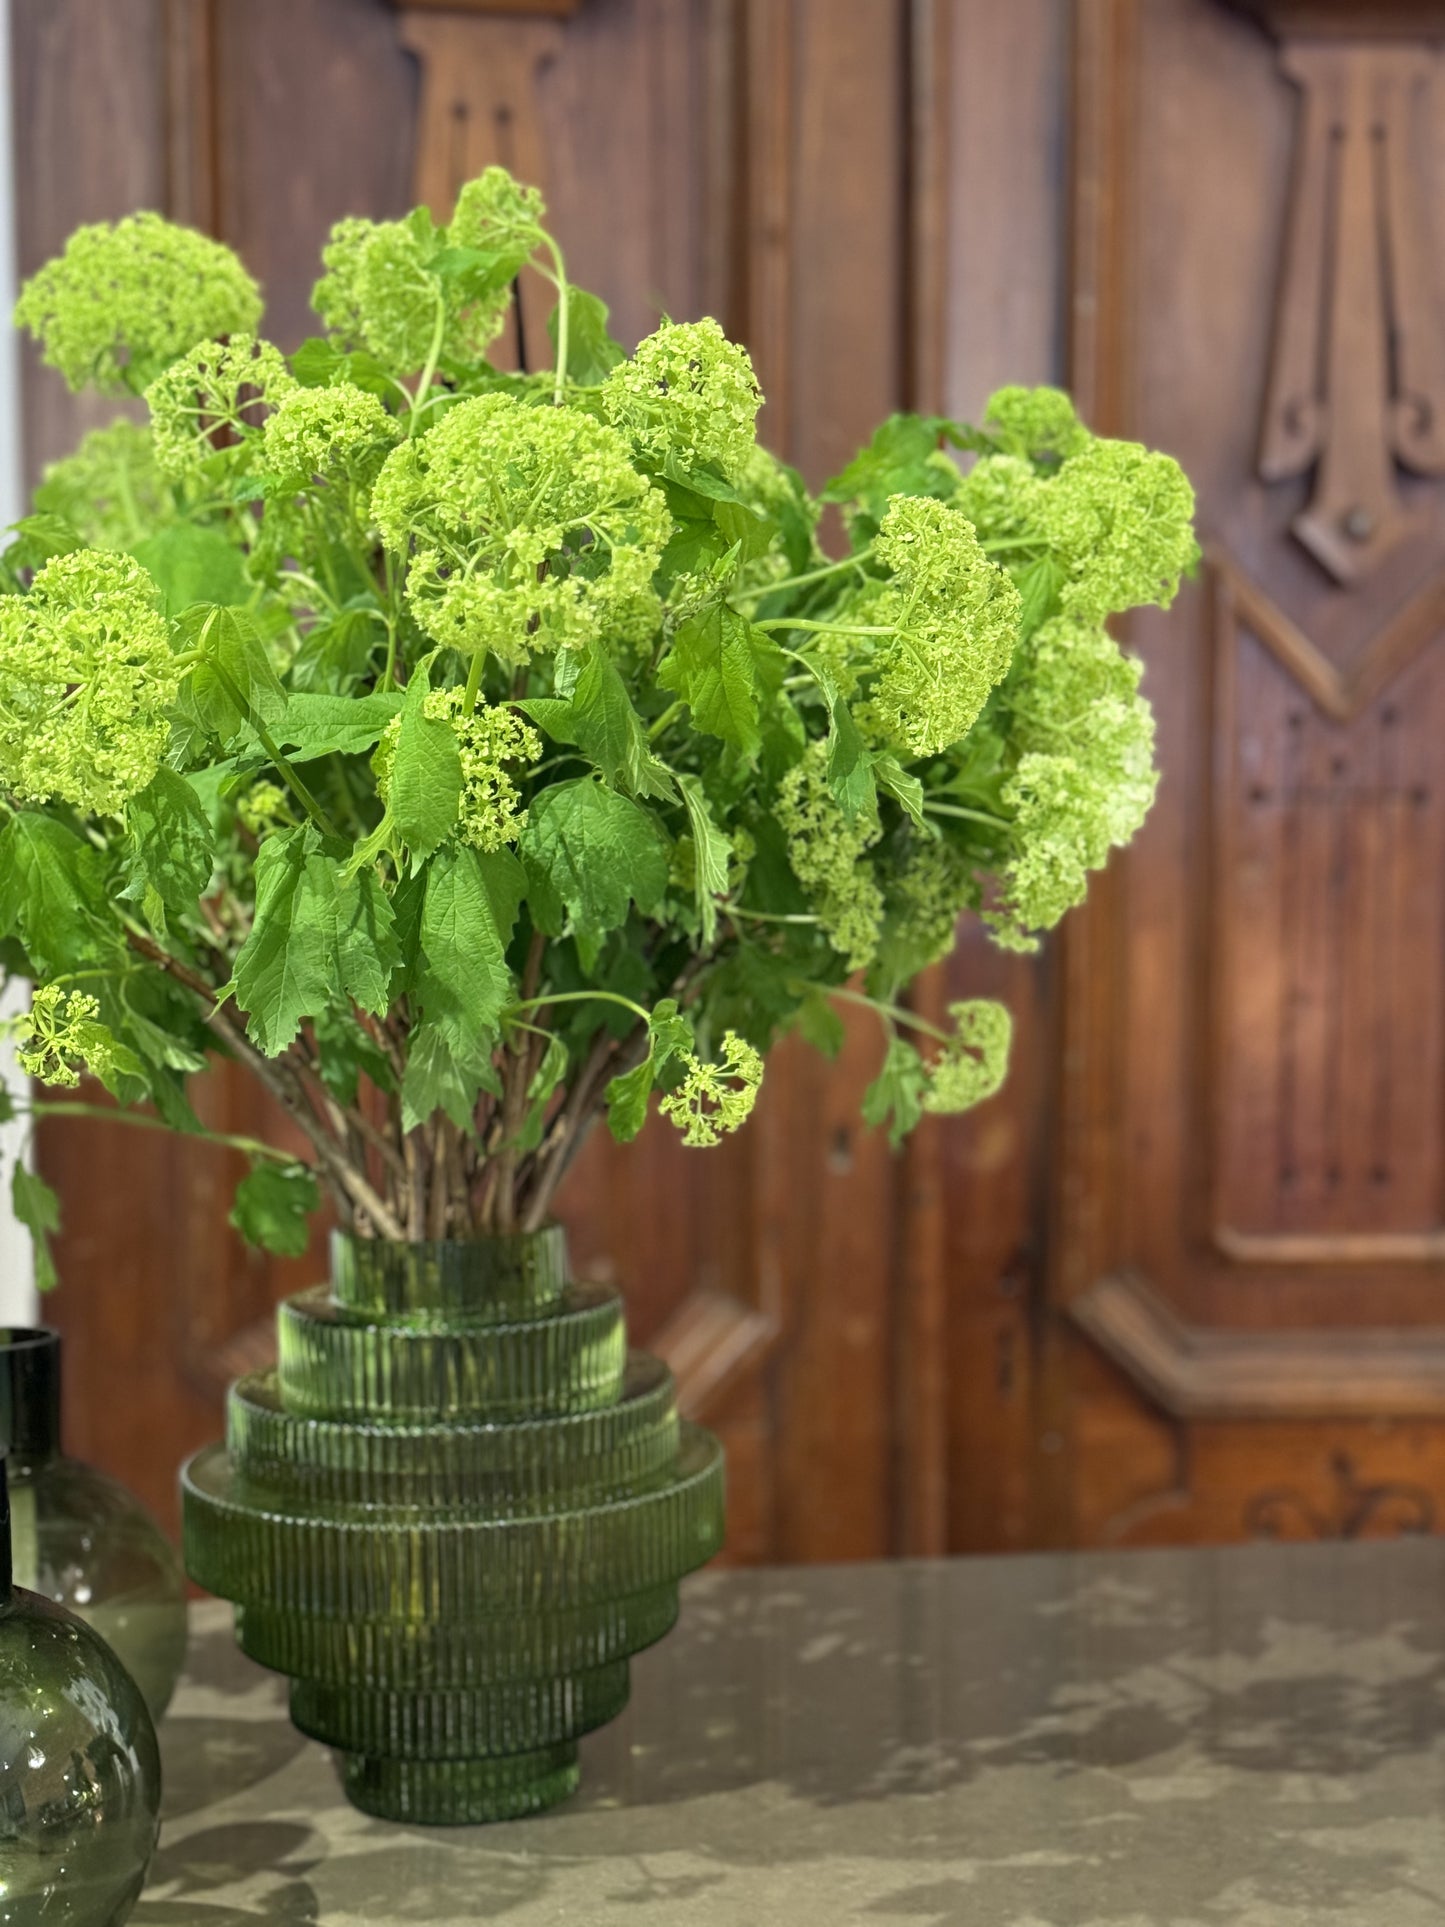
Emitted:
pixel 451 1515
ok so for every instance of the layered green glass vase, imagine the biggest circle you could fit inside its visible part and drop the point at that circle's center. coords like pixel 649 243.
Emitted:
pixel 452 1514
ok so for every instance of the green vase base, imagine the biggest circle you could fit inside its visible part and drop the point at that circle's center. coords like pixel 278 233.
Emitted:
pixel 460 1793
pixel 472 1724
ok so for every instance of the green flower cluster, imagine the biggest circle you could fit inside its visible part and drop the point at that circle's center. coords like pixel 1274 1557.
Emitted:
pixel 408 292
pixel 124 301
pixel 61 1035
pixel 215 390
pixel 87 679
pixel 955 617
pixel 1035 424
pixel 713 1099
pixel 1120 518
pixel 323 434
pixel 828 856
pixel 523 529
pixel 271 741
pixel 687 392
pixel 973 1063
pixel 111 490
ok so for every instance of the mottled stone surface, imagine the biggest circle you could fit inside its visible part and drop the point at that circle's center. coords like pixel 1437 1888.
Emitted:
pixel 1143 1740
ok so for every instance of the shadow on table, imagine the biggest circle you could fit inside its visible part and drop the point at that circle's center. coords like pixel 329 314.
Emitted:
pixel 1048 1740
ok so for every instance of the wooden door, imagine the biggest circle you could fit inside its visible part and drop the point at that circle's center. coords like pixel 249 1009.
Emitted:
pixel 1181 1280
pixel 1232 1325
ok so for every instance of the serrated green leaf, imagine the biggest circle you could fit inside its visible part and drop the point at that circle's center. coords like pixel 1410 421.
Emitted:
pixel 283 971
pixel 434 1081
pixel 235 682
pixel 335 656
pixel 319 936
pixel 591 351
pixel 627 1097
pixel 711 854
pixel 36 1207
pixel 608 730
pixel 462 979
pixel 318 363
pixel 170 846
pixel 895 1097
pixel 273 1207
pixel 190 564
pixel 322 725
pixel 53 894
pixel 715 665
pixel 426 773
pixel 589 852
pixel 895 781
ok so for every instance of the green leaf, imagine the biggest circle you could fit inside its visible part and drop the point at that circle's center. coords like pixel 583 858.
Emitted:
pixel 590 852
pixel 895 462
pixel 336 655
pixel 273 1207
pixel 672 1034
pixel 53 894
pixel 236 682
pixel 318 363
pixel 426 772
pixel 38 1209
pixel 850 769
pixel 320 725
pixel 463 981
pixel 435 1081
pixel 895 781
pixel 367 951
pixel 591 351
pixel 319 937
pixel 540 1091
pixel 191 564
pixel 627 1097
pixel 711 854
pixel 170 846
pixel 37 538
pixel 348 1053
pixel 820 1025
pixel 716 665
pixel 284 969
pixel 608 730
pixel 895 1097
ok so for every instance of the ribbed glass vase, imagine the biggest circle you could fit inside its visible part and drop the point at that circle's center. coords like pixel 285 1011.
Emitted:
pixel 451 1514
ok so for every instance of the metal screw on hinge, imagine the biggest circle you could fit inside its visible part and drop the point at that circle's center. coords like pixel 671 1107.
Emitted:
pixel 1359 525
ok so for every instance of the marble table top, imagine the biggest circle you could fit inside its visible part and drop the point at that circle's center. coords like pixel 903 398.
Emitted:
pixel 1175 1739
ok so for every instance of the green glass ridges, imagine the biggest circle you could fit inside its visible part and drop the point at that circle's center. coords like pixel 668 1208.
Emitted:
pixel 451 1515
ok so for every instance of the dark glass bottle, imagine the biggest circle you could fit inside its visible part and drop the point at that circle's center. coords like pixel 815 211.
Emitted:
pixel 78 1537
pixel 80 1774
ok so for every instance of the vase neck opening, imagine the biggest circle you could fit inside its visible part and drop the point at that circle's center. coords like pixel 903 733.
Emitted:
pixel 29 1395
pixel 511 1275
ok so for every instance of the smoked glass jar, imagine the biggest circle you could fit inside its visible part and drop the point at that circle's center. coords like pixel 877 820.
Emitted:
pixel 78 1537
pixel 80 1774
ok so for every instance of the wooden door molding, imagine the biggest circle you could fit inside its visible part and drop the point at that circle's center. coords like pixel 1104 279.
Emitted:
pixel 1195 1373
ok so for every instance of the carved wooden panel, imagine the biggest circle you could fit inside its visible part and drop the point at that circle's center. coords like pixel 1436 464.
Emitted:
pixel 1252 1196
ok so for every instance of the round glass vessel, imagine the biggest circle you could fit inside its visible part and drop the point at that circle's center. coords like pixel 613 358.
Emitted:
pixel 80 1773
pixel 78 1537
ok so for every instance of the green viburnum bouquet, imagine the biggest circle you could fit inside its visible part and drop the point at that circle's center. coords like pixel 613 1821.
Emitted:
pixel 469 753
